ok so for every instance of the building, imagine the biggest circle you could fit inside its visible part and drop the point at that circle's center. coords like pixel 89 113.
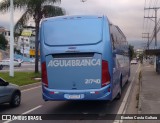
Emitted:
pixel 26 42
pixel 4 54
pixel 2 30
pixel 6 34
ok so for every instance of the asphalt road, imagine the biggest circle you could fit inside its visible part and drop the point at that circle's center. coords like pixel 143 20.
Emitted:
pixel 32 103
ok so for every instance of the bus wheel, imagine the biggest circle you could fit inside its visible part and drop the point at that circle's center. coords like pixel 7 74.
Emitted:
pixel 120 90
pixel 127 81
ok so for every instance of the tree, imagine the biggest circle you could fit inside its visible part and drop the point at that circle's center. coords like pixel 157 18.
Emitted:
pixel 131 52
pixel 36 9
pixel 3 42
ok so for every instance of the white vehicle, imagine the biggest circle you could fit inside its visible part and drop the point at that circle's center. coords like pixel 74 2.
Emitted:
pixel 134 61
pixel 6 62
pixel 19 60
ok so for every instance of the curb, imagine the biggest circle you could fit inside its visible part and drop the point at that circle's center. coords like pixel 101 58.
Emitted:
pixel 29 86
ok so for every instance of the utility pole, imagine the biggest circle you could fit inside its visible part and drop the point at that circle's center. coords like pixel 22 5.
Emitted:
pixel 156 28
pixel 155 33
pixel 11 71
pixel 147 38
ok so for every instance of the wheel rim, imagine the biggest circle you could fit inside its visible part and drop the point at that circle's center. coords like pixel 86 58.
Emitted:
pixel 17 100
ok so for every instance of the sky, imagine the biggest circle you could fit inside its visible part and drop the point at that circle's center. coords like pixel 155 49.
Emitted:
pixel 127 14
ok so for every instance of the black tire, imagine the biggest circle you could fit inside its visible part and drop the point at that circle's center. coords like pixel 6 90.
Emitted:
pixel 120 92
pixel 127 81
pixel 19 65
pixel 16 99
pixel 1 67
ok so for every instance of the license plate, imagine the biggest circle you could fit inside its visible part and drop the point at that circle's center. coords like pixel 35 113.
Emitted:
pixel 74 96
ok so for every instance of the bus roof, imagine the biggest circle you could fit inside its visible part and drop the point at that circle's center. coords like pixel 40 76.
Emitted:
pixel 73 30
pixel 74 17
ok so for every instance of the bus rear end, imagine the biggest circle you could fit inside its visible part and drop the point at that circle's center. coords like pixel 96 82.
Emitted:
pixel 72 59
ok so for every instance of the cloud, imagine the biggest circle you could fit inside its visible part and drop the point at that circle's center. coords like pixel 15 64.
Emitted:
pixel 5 17
pixel 127 14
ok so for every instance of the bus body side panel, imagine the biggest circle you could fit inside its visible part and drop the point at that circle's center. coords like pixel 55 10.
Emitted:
pixel 117 60
pixel 107 53
pixel 121 59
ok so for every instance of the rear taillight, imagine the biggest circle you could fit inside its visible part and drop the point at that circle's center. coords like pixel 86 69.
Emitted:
pixel 105 73
pixel 44 74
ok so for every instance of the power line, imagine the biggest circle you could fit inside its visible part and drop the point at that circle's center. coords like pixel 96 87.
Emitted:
pixel 151 15
pixel 155 17
pixel 147 38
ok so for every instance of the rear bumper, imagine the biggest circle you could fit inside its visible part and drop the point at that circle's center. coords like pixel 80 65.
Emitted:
pixel 91 94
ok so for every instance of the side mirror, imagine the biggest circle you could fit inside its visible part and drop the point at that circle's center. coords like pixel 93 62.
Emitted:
pixel 6 83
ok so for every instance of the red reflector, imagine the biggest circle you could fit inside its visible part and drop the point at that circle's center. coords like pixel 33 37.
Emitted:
pixel 109 89
pixel 105 73
pixel 96 92
pixel 51 92
pixel 44 74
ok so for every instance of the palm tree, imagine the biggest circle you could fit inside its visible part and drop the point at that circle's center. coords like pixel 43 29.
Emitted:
pixel 36 9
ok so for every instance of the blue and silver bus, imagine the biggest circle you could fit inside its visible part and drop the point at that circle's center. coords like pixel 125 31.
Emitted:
pixel 82 58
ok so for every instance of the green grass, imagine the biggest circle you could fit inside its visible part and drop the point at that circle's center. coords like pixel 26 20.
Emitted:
pixel 21 78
